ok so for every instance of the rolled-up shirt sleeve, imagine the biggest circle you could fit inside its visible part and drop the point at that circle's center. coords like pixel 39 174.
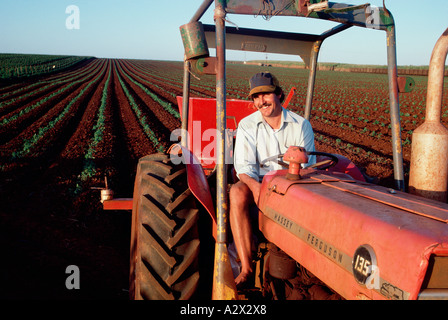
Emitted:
pixel 245 153
pixel 308 142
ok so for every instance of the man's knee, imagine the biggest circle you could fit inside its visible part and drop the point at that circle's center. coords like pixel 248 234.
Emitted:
pixel 240 193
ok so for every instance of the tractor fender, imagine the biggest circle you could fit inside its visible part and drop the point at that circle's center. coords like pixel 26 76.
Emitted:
pixel 344 165
pixel 197 182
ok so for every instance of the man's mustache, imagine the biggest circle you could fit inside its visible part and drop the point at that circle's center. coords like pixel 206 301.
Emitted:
pixel 264 105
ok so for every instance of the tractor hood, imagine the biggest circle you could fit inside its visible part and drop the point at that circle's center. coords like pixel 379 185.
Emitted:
pixel 364 241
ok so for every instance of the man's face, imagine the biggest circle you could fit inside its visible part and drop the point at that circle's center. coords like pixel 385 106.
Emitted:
pixel 267 103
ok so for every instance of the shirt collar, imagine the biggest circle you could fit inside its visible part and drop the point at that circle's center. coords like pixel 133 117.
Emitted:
pixel 286 117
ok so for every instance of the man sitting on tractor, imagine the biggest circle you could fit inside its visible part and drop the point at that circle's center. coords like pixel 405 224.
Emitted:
pixel 267 132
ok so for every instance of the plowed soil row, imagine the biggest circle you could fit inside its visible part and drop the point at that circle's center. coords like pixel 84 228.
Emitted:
pixel 23 89
pixel 154 74
pixel 161 122
pixel 21 122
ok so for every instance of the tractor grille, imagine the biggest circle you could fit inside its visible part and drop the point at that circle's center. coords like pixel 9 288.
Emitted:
pixel 435 284
pixel 436 275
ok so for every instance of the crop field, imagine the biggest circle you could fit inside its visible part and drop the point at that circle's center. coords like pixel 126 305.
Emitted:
pixel 62 132
pixel 15 66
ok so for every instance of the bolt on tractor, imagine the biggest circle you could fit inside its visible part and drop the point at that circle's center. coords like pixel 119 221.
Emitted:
pixel 324 228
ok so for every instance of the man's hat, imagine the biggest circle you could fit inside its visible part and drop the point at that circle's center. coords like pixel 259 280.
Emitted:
pixel 263 82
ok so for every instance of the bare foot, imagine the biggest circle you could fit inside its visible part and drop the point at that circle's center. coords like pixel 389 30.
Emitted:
pixel 243 279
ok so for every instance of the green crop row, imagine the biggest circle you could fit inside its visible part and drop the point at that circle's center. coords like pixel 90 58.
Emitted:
pixel 41 86
pixel 28 109
pixel 23 65
pixel 29 144
pixel 89 166
pixel 141 118
pixel 166 105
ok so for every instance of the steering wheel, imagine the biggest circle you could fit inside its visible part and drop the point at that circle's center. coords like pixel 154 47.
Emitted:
pixel 321 165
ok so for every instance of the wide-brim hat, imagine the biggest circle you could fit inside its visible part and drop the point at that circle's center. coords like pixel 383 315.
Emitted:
pixel 263 82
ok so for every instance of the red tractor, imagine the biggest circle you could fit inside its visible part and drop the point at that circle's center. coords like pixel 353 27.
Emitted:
pixel 325 228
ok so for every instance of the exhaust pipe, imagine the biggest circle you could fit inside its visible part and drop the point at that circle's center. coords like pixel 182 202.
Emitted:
pixel 428 174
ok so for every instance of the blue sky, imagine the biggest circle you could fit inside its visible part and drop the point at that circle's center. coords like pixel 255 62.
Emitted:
pixel 149 29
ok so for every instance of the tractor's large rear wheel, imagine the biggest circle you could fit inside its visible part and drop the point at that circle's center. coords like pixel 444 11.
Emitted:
pixel 164 236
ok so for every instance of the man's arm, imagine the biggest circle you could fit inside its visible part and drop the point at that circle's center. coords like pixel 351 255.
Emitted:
pixel 245 152
pixel 308 142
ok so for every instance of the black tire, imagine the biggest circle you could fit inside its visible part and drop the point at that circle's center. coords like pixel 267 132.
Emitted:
pixel 164 237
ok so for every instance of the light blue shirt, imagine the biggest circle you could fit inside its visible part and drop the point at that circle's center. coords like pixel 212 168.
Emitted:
pixel 256 141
